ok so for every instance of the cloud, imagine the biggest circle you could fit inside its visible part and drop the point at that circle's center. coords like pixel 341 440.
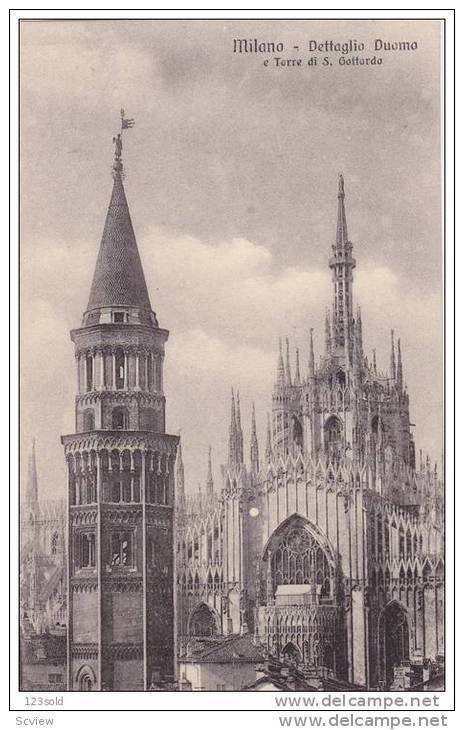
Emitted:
pixel 225 303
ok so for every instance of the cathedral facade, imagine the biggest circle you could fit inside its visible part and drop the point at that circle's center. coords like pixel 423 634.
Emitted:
pixel 330 548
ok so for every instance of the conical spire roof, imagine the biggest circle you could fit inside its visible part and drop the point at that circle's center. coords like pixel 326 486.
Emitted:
pixel 118 279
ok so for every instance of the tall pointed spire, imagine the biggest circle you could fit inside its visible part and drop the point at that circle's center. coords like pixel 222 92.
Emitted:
pixel 32 493
pixel 328 338
pixel 268 440
pixel 392 357
pixel 297 367
pixel 232 433
pixel 118 279
pixel 311 354
pixel 341 238
pixel 342 264
pixel 280 381
pixel 239 431
pixel 399 369
pixel 180 481
pixel 359 335
pixel 254 447
pixel 209 477
pixel 288 372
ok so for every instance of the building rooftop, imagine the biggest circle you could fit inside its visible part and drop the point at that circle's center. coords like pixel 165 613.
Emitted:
pixel 223 650
pixel 118 279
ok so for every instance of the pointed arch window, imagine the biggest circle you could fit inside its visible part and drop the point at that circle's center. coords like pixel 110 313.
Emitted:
pixel 379 537
pixel 120 368
pixel 89 420
pixel 121 549
pixel 386 536
pixel 89 373
pixel 408 544
pixel 333 439
pixel 120 419
pixel 401 542
pixel 297 558
pixel 85 550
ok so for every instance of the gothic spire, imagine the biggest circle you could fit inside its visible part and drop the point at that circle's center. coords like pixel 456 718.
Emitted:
pixel 232 432
pixel 268 440
pixel 209 477
pixel 239 431
pixel 359 332
pixel 392 357
pixel 32 494
pixel 342 264
pixel 297 367
pixel 328 341
pixel 311 354
pixel 288 372
pixel 254 447
pixel 180 483
pixel 399 369
pixel 118 279
pixel 280 382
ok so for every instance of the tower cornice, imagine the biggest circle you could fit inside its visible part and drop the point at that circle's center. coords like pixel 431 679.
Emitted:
pixel 136 440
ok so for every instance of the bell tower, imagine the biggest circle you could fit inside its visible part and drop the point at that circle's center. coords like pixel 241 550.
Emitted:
pixel 120 467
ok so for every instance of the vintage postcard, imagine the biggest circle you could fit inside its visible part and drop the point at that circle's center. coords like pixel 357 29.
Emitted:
pixel 232 456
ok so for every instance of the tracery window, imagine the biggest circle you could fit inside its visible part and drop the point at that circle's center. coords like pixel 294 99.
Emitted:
pixel 299 559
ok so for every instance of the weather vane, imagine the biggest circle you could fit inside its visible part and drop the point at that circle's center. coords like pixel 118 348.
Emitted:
pixel 117 141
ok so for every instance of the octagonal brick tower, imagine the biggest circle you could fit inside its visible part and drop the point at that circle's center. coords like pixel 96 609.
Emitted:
pixel 120 477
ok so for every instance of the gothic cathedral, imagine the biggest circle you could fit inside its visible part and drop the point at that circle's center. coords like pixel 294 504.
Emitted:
pixel 329 550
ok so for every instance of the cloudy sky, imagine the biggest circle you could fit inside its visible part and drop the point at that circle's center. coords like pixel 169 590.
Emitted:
pixel 231 181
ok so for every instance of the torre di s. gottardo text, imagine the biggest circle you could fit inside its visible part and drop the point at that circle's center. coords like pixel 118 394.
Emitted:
pixel 328 549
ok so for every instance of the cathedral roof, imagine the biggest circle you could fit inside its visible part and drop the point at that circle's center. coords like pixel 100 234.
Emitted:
pixel 118 279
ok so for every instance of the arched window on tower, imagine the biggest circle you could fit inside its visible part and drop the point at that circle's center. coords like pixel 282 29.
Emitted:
pixel 89 420
pixel 149 371
pixel 120 367
pixel 120 419
pixel 89 373
pixel 341 378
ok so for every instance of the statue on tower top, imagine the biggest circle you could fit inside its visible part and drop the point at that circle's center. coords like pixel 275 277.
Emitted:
pixel 117 141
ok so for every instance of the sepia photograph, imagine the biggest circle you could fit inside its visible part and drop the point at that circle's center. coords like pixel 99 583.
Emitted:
pixel 231 355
